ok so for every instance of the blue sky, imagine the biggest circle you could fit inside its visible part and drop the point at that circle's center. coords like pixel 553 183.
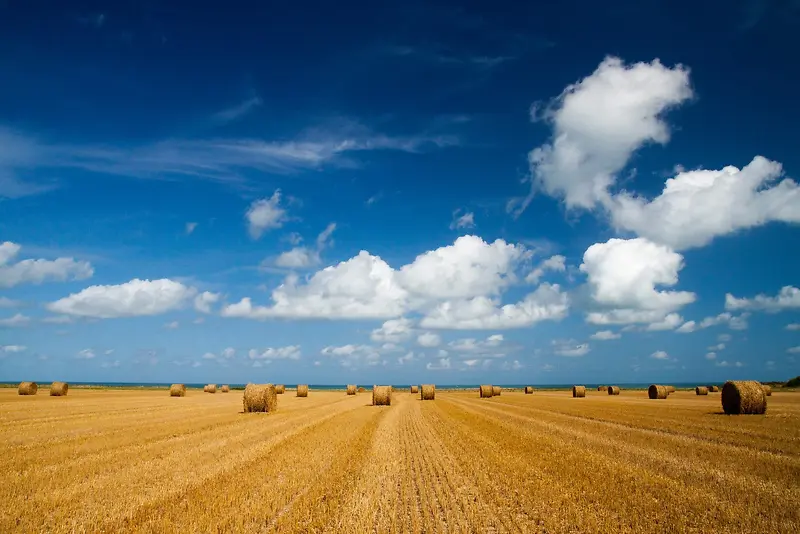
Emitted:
pixel 403 192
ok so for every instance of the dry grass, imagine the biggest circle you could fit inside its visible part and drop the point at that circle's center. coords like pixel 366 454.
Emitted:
pixel 302 390
pixel 134 461
pixel 259 398
pixel 28 388
pixel 351 389
pixel 427 392
pixel 744 397
pixel 381 395
pixel 578 391
pixel 59 389
pixel 177 390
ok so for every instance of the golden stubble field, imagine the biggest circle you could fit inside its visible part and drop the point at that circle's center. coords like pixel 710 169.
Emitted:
pixel 117 460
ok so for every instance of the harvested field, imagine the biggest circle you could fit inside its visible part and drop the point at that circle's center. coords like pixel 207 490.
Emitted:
pixel 331 463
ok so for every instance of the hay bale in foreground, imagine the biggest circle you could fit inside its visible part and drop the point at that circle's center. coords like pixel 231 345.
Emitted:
pixel 351 389
pixel 414 389
pixel 225 388
pixel 210 388
pixel 177 390
pixel 28 388
pixel 302 390
pixel 381 395
pixel 657 392
pixel 743 397
pixel 58 389
pixel 701 390
pixel 670 389
pixel 427 392
pixel 280 389
pixel 713 389
pixel 528 390
pixel 767 390
pixel 487 391
pixel 362 389
pixel 613 390
pixel 260 398
pixel 578 391
pixel 496 391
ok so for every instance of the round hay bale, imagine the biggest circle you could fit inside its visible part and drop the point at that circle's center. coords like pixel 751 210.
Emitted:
pixel 225 388
pixel 302 390
pixel 701 390
pixel 28 388
pixel 713 389
pixel 260 398
pixel 351 389
pixel 487 391
pixel 414 390
pixel 362 389
pixel 210 388
pixel 381 395
pixel 602 388
pixel 58 389
pixel 767 390
pixel 578 391
pixel 496 391
pixel 177 390
pixel 670 389
pixel 528 390
pixel 280 389
pixel 743 397
pixel 427 392
pixel 613 390
pixel 657 392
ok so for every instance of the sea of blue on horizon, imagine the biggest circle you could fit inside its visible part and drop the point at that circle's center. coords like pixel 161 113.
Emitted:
pixel 324 387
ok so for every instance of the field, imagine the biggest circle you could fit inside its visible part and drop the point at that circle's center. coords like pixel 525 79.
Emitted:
pixel 125 460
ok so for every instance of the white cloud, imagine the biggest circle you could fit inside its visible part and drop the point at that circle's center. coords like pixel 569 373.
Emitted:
pixel 660 355
pixel 265 214
pixel 548 302
pixel 623 275
pixel 393 331
pixel 711 356
pixel 39 270
pixel 697 206
pixel 554 263
pixel 12 348
pixel 598 123
pixel 794 350
pixel 353 355
pixel 172 325
pixel 787 299
pixel 190 227
pixel 471 363
pixel 408 357
pixel 512 366
pixel 570 348
pixel 492 346
pixel 291 352
pixel 793 326
pixel 441 364
pixel 724 337
pixel 14 321
pixel 670 322
pixel 464 221
pixel 6 302
pixel 604 335
pixel 134 298
pixel 324 237
pixel 86 354
pixel 734 322
pixel 429 339
pixel 239 110
pixel 717 347
pixel 302 257
pixel 204 301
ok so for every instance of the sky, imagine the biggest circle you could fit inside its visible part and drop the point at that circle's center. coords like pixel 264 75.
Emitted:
pixel 399 192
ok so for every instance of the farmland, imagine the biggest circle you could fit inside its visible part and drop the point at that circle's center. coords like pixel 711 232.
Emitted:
pixel 126 460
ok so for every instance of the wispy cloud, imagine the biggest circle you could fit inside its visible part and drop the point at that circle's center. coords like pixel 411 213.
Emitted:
pixel 442 56
pixel 238 111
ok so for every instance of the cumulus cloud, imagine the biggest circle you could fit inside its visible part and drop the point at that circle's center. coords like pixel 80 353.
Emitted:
pixel 393 331
pixel 301 257
pixel 353 355
pixel 429 339
pixel 605 335
pixel 15 321
pixel 570 348
pixel 660 355
pixel 670 322
pixel 463 221
pixel 788 298
pixel 554 263
pixel 734 322
pixel 134 298
pixel 697 206
pixel 86 354
pixel 711 355
pixel 265 214
pixel 492 346
pixel 291 352
pixel 205 300
pixel 598 123
pixel 37 271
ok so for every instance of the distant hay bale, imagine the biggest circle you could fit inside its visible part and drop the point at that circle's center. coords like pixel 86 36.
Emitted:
pixel 280 389
pixel 713 389
pixel 210 388
pixel 767 390
pixel 657 392
pixel 58 389
pixel 670 389
pixel 613 390
pixel 381 395
pixel 578 391
pixel 260 398
pixel 744 397
pixel 225 388
pixel 496 391
pixel 362 389
pixel 602 388
pixel 28 388
pixel 414 389
pixel 528 390
pixel 351 389
pixel 487 391
pixel 701 390
pixel 302 390
pixel 427 392
pixel 177 390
